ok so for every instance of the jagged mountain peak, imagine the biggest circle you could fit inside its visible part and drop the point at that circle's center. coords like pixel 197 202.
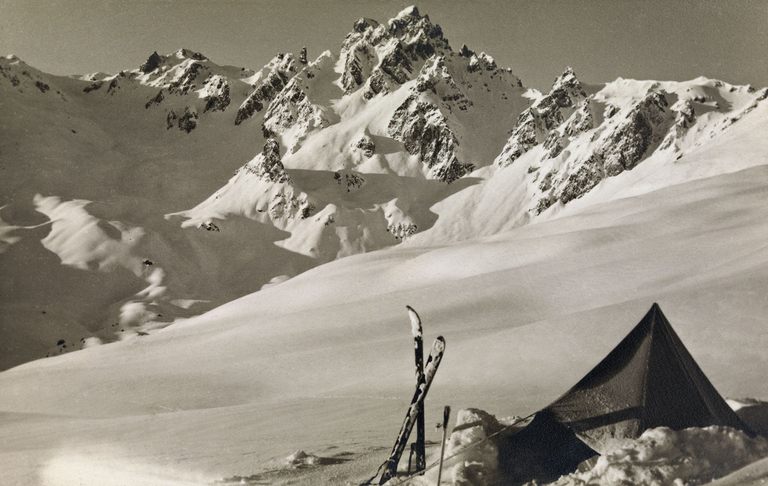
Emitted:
pixel 189 54
pixel 364 23
pixel 567 78
pixel 383 56
pixel 179 56
pixel 152 63
pixel 410 26
pixel 411 11
pixel 566 89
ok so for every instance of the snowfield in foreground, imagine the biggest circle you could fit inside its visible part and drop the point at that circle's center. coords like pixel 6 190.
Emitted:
pixel 323 361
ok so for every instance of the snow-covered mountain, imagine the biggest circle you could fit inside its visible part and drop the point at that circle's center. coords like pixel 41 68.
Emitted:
pixel 119 210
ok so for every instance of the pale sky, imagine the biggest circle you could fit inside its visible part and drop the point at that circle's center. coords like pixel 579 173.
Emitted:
pixel 601 39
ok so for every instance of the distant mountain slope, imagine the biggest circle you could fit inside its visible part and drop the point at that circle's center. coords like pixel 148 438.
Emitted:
pixel 130 200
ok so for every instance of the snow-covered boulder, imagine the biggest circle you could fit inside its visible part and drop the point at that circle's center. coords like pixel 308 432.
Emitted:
pixel 477 463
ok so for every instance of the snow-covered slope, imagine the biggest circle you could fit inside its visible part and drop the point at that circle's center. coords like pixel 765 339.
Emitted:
pixel 120 213
pixel 322 362
pixel 88 169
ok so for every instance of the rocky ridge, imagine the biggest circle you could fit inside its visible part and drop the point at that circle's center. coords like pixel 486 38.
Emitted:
pixel 584 135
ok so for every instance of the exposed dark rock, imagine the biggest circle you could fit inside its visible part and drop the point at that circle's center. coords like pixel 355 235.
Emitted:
pixel 401 231
pixel 113 86
pixel 209 226
pixel 424 131
pixel 435 77
pixel 406 40
pixel 268 165
pixel 189 54
pixel 352 181
pixel 303 55
pixel 547 113
pixel 363 23
pixel 152 63
pixel 355 58
pixel 155 100
pixel 93 86
pixel 186 81
pixel 187 121
pixel 466 51
pixel 546 182
pixel 285 205
pixel 283 69
pixel 582 119
pixel 645 126
pixel 219 101
pixel 170 119
pixel 582 181
pixel 42 86
pixel 292 107
pixel 366 145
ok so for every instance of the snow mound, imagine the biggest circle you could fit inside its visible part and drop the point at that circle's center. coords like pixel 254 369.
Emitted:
pixel 301 459
pixel 662 456
pixel 478 456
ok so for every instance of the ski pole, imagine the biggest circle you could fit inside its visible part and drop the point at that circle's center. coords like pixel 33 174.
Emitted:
pixel 446 415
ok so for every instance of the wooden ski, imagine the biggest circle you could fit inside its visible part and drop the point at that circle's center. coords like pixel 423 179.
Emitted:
pixel 419 448
pixel 435 357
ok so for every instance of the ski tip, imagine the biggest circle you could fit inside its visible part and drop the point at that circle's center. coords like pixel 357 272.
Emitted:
pixel 415 321
pixel 439 344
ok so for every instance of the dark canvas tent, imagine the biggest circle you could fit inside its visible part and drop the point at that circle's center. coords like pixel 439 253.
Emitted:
pixel 648 380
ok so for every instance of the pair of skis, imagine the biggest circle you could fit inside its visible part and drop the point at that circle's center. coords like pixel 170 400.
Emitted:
pixel 425 373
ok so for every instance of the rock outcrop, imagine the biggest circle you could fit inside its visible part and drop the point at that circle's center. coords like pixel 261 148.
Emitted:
pixel 293 107
pixel 274 76
pixel 424 131
pixel 381 57
pixel 536 123
pixel 269 167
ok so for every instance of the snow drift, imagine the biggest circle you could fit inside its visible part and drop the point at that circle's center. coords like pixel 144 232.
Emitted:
pixel 665 457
